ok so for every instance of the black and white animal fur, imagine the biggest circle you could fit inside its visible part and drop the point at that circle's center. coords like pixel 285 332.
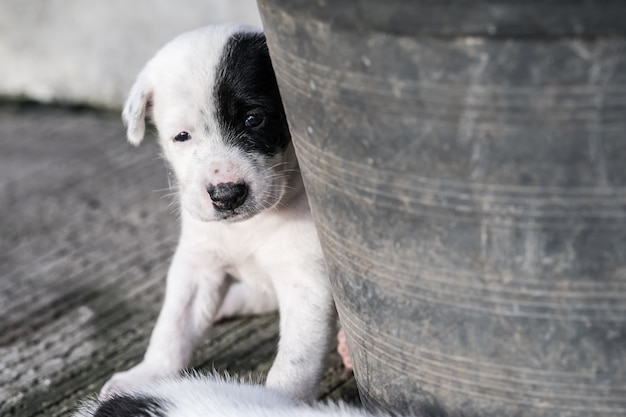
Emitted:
pixel 212 396
pixel 248 244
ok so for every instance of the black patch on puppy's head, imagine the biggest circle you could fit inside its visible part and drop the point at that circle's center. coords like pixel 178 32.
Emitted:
pixel 248 105
pixel 131 406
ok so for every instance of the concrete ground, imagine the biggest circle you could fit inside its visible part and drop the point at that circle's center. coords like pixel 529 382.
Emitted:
pixel 87 230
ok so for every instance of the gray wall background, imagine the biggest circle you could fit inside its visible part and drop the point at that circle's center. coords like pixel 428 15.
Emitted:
pixel 89 51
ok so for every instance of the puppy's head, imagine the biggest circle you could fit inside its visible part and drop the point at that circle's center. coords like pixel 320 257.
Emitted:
pixel 213 98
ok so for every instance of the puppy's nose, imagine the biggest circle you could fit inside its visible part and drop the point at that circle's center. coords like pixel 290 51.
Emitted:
pixel 228 195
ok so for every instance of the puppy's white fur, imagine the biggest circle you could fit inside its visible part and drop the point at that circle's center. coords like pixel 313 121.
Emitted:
pixel 217 396
pixel 264 256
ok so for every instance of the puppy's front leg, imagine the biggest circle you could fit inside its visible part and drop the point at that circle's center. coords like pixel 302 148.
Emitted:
pixel 193 293
pixel 307 326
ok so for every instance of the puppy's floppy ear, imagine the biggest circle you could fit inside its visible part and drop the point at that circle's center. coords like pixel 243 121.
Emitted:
pixel 136 109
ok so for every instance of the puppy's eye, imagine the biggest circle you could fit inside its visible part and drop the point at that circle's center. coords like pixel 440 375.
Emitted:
pixel 253 120
pixel 182 136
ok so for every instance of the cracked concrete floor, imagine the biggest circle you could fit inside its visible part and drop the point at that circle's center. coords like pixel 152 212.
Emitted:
pixel 85 241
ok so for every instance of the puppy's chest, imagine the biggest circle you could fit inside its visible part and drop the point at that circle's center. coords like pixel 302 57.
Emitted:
pixel 240 257
pixel 240 249
pixel 249 272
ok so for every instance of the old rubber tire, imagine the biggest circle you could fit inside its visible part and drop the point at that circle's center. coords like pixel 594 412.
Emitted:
pixel 466 166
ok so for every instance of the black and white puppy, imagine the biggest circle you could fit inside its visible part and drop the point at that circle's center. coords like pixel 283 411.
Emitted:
pixel 248 244
pixel 215 396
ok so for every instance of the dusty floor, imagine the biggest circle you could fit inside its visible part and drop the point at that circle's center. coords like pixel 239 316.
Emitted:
pixel 86 234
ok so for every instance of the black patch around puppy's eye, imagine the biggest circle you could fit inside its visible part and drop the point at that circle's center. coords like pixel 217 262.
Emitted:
pixel 253 120
pixel 249 110
pixel 182 137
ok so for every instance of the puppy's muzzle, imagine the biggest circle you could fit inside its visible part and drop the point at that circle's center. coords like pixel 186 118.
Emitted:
pixel 227 196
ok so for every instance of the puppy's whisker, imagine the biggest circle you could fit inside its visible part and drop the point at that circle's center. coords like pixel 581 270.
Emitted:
pixel 175 204
pixel 278 164
pixel 164 190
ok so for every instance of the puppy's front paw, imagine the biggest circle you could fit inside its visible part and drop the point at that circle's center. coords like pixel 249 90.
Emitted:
pixel 123 382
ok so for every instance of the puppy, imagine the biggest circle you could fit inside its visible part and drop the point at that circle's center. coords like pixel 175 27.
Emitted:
pixel 211 396
pixel 247 244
